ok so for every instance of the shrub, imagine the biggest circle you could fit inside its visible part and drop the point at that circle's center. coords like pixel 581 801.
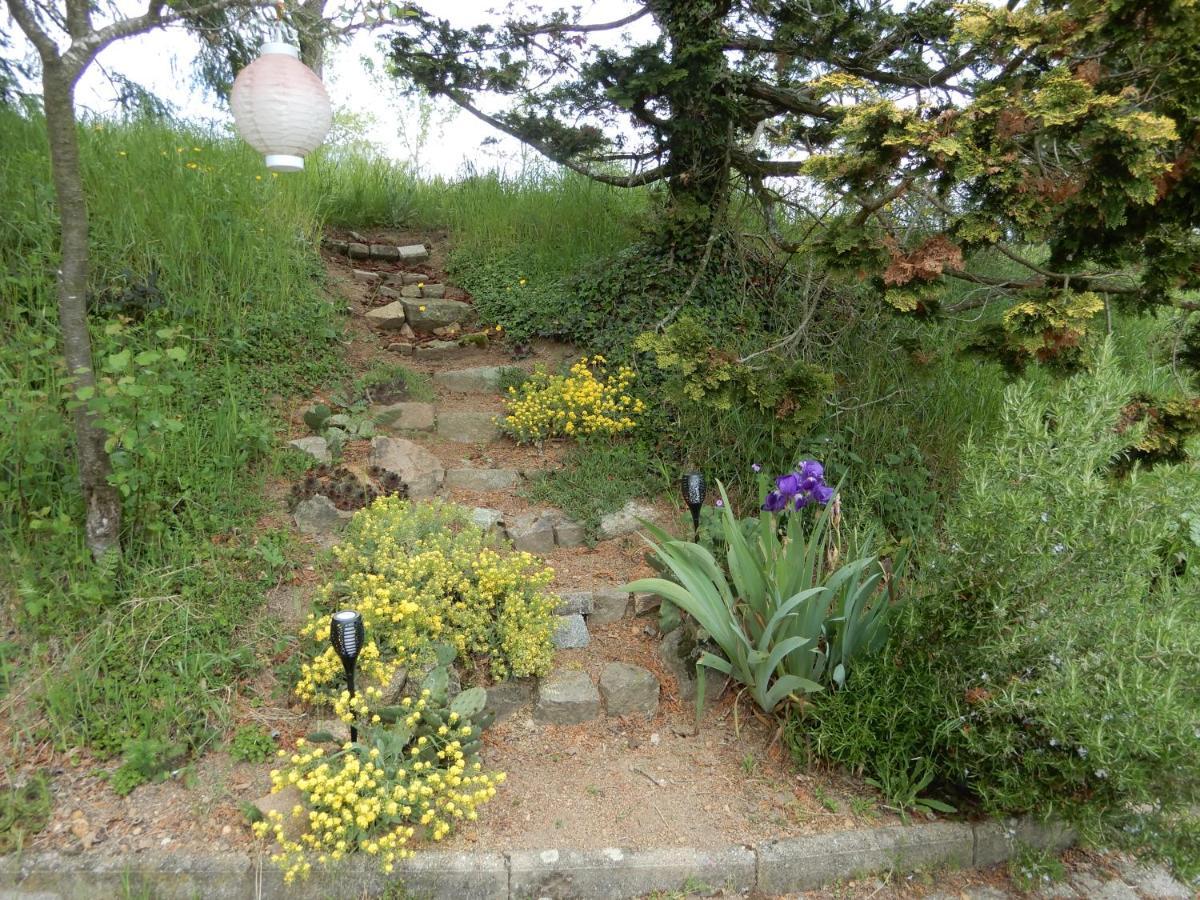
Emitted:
pixel 421 574
pixel 786 626
pixel 251 743
pixel 414 772
pixel 1051 664
pixel 585 402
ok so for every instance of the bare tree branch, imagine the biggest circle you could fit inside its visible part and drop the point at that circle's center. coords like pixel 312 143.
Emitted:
pixel 605 26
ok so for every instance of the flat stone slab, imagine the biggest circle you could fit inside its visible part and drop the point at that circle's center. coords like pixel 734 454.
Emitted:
pixel 419 470
pixel 283 803
pixel 570 633
pixel 387 318
pixel 316 447
pixel 808 863
pixel 364 276
pixel 413 253
pixel 531 532
pixel 479 379
pixel 385 251
pixel 617 873
pixel 481 479
pixel 608 605
pixel 427 314
pixel 435 291
pixel 436 350
pixel 646 604
pixel 625 520
pixel 410 291
pixel 467 426
pixel 566 697
pixel 507 697
pixel 577 603
pixel 487 518
pixel 569 534
pixel 318 516
pixel 408 416
pixel 356 250
pixel 629 690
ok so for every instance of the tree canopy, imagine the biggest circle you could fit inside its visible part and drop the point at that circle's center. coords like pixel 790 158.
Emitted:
pixel 893 143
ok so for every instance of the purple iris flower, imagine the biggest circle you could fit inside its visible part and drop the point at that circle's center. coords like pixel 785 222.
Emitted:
pixel 822 493
pixel 788 484
pixel 801 501
pixel 775 502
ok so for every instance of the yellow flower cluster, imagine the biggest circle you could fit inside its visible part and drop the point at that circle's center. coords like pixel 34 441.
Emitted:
pixel 422 576
pixel 586 401
pixel 395 786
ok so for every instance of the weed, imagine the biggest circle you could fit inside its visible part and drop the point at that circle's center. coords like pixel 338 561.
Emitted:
pixel 252 743
pixel 24 811
pixel 1034 868
pixel 145 760
pixel 863 808
pixel 825 800
pixel 749 764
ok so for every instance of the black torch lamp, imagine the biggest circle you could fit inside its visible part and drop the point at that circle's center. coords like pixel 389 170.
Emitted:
pixel 346 633
pixel 694 490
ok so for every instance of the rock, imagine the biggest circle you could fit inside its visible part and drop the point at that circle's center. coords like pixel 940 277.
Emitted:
pixel 629 690
pixel 481 480
pixel 407 332
pixel 413 253
pixel 410 291
pixel 412 278
pixel 418 469
pixel 646 604
pixel 416 682
pixel 356 250
pixel 1153 880
pixel 388 293
pixel 316 447
pixel 574 603
pixel 334 246
pixel 387 318
pixel 532 533
pixel 450 331
pixel 509 696
pixel 608 605
pixel 566 698
pixel 676 653
pixel 486 518
pixel 362 275
pixel 569 534
pixel 393 691
pixel 570 633
pixel 401 348
pixel 284 803
pixel 467 426
pixel 434 291
pixel 355 236
pixel 483 379
pixel 318 515
pixel 624 520
pixel 436 350
pixel 426 315
pixel 405 416
pixel 383 251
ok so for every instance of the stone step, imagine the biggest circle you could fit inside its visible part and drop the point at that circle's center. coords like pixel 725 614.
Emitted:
pixel 467 426
pixel 477 379
pixel 482 480
pixel 569 697
pixel 570 633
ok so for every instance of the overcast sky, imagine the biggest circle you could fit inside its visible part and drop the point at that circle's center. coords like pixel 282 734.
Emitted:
pixel 161 61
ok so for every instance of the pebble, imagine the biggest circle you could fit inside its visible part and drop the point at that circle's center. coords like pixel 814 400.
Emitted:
pixel 654 739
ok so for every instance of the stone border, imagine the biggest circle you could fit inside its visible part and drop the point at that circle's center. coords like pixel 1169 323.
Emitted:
pixel 773 866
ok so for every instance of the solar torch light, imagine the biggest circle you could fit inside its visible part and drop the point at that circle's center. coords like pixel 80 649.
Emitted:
pixel 694 490
pixel 346 633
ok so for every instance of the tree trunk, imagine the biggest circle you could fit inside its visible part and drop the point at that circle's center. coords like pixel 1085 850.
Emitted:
pixel 701 125
pixel 310 34
pixel 102 501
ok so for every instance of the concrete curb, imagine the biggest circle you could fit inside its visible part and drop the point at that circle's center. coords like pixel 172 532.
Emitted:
pixel 774 866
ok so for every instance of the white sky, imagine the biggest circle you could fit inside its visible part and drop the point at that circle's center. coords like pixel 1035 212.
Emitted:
pixel 161 62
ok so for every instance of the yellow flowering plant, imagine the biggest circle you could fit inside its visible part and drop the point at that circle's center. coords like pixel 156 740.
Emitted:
pixel 431 588
pixel 411 776
pixel 588 400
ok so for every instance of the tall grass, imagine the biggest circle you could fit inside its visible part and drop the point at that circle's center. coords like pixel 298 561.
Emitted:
pixel 224 255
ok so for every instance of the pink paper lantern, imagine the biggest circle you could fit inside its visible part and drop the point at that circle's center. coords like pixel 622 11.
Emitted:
pixel 280 107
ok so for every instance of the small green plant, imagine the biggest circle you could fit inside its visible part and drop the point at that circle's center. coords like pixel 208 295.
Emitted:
pixel 785 627
pixel 863 808
pixel 902 786
pixel 824 799
pixel 24 811
pixel 146 760
pixel 511 378
pixel 749 764
pixel 1034 868
pixel 252 743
